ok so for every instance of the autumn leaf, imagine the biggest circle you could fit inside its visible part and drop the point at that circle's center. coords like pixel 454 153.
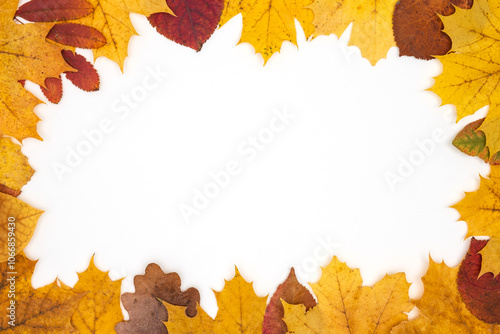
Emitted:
pixel 240 311
pixel 490 257
pixel 86 76
pixel 44 310
pixel 292 292
pixel 17 224
pixel 15 171
pixel 471 72
pixel 52 89
pixel 372 23
pixel 442 309
pixel 99 310
pixel 79 35
pixel 481 209
pixel 418 28
pixel 193 23
pixel 344 306
pixel 35 63
pixel 146 311
pixel 52 11
pixel 267 24
pixel 472 141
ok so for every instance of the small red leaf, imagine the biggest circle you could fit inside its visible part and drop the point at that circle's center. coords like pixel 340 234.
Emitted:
pixel 54 10
pixel 78 35
pixel 481 295
pixel 53 89
pixel 292 292
pixel 87 77
pixel 193 23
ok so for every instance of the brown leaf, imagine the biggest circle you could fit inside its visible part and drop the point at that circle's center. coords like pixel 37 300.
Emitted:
pixel 52 90
pixel 54 10
pixel 86 77
pixel 292 292
pixel 77 35
pixel 418 28
pixel 194 21
pixel 146 311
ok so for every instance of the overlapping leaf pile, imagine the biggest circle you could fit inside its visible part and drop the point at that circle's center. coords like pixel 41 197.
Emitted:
pixel 40 45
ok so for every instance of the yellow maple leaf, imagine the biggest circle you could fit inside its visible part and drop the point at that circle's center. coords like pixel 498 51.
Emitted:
pixel 17 224
pixel 24 55
pixel 442 310
pixel 472 71
pixel 344 306
pixel 481 209
pixel 491 257
pixel 372 23
pixel 99 310
pixel 47 309
pixel 112 19
pixel 240 311
pixel 266 24
pixel 15 171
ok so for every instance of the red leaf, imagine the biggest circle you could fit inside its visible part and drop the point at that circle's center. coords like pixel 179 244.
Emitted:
pixel 292 292
pixel 53 92
pixel 86 77
pixel 194 23
pixel 418 29
pixel 480 295
pixel 78 35
pixel 54 10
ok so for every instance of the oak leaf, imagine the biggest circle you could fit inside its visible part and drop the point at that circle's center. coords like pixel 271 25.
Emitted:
pixel 35 63
pixel 17 224
pixel 240 311
pixel 372 23
pixel 147 314
pixel 345 306
pixel 267 24
pixel 47 309
pixel 442 310
pixel 471 72
pixel 481 209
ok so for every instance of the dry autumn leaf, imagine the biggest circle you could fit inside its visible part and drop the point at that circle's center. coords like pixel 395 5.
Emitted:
pixel 47 309
pixel 491 258
pixel 38 61
pixel 240 311
pixel 372 23
pixel 418 28
pixel 442 309
pixel 481 209
pixel 471 72
pixel 15 171
pixel 292 292
pixel 267 24
pixel 146 312
pixel 345 306
pixel 472 141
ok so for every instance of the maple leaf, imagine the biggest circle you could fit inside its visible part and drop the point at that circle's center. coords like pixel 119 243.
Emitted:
pixel 292 292
pixel 146 311
pixel 17 224
pixel 481 209
pixel 44 310
pixel 344 306
pixel 240 311
pixel 19 62
pixel 191 23
pixel 372 23
pixel 267 24
pixel 471 72
pixel 418 28
pixel 442 309
pixel 472 141
pixel 99 310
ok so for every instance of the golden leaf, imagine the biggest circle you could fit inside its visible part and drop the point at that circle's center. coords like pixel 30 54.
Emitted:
pixel 491 258
pixel 15 171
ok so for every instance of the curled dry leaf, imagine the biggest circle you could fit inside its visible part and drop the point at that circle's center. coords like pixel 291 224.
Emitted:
pixel 193 23
pixel 240 311
pixel 146 311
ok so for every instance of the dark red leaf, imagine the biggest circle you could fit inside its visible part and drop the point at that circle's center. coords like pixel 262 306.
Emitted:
pixel 480 295
pixel 54 10
pixel 53 89
pixel 194 23
pixel 418 29
pixel 78 35
pixel 292 292
pixel 146 312
pixel 87 77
